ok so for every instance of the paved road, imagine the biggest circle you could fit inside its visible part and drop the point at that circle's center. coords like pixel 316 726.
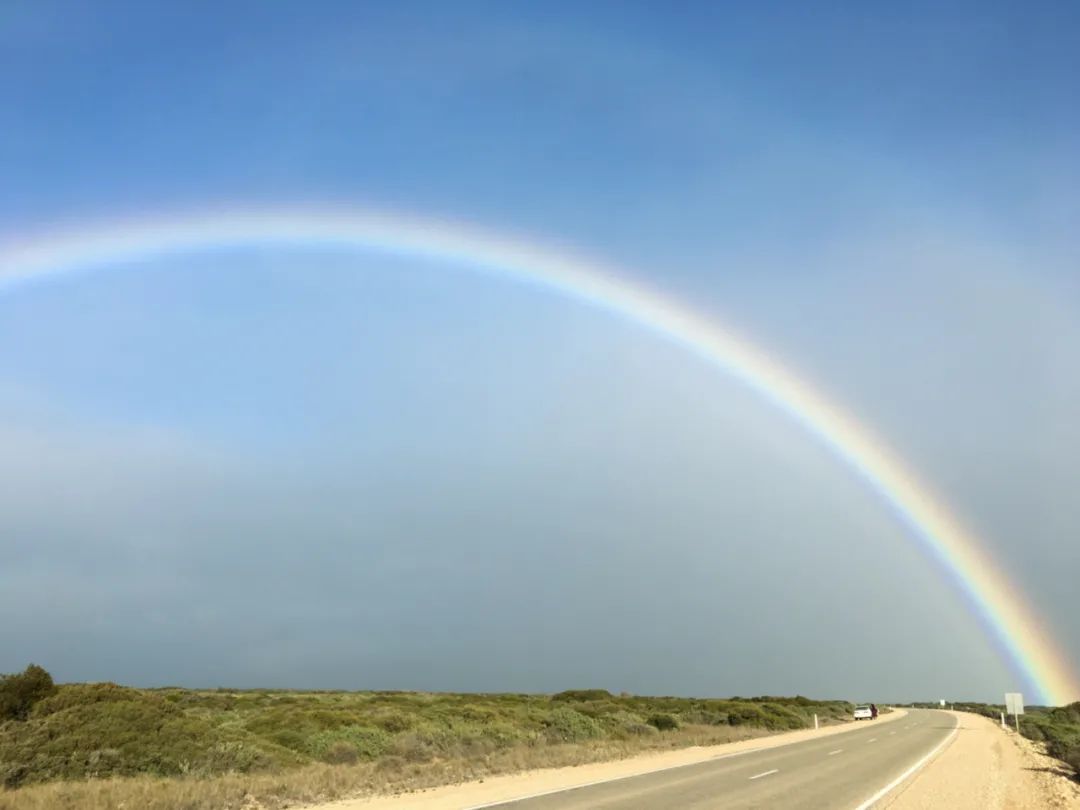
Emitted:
pixel 839 771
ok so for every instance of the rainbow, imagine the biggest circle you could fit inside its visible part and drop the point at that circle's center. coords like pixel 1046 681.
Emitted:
pixel 1009 620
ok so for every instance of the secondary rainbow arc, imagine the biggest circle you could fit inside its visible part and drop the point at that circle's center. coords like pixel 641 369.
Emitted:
pixel 1016 630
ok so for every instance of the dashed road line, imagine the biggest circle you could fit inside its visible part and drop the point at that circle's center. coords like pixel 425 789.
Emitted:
pixel 765 773
pixel 837 751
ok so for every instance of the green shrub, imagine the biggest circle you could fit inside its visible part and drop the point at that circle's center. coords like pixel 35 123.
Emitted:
pixel 1066 715
pixel 622 718
pixel 628 724
pixel 85 694
pixel 597 708
pixel 778 717
pixel 1035 732
pixel 296 725
pixel 664 722
pixel 366 742
pixel 567 725
pixel 706 717
pixel 1064 744
pixel 1071 757
pixel 288 738
pixel 501 735
pixel 394 722
pixel 132 732
pixel 746 714
pixel 19 692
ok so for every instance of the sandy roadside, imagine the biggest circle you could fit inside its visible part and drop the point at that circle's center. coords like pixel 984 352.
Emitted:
pixel 987 768
pixel 511 786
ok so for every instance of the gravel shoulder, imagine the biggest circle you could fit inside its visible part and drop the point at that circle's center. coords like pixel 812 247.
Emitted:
pixel 514 786
pixel 988 768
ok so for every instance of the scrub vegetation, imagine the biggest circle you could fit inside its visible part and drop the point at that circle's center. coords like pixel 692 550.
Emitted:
pixel 102 745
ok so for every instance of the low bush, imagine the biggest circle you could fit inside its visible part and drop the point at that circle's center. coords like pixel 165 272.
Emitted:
pixel 1071 757
pixel 779 717
pixel 706 717
pixel 364 743
pixel 1059 728
pixel 664 722
pixel 130 733
pixel 746 714
pixel 84 694
pixel 394 721
pixel 567 725
pixel 597 708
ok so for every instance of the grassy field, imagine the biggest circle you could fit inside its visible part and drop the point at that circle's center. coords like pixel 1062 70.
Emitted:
pixel 1058 727
pixel 105 746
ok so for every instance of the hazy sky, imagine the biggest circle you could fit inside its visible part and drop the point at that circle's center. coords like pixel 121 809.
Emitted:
pixel 307 468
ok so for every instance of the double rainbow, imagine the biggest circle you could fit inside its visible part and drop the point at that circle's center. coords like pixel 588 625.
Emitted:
pixel 1000 608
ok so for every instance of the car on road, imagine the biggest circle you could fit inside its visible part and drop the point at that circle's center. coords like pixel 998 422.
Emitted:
pixel 864 713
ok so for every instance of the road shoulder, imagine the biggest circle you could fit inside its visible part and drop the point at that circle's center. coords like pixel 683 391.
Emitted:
pixel 987 768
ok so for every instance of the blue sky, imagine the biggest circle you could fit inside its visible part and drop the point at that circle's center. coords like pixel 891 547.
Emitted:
pixel 310 469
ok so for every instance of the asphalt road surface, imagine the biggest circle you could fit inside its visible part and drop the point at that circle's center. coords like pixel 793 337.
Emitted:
pixel 839 771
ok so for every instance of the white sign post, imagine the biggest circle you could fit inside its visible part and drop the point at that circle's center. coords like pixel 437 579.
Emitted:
pixel 943 703
pixel 1014 705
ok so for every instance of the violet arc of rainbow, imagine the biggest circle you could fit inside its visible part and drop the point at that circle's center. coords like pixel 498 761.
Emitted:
pixel 997 604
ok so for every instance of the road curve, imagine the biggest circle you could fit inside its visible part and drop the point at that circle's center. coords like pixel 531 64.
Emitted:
pixel 844 772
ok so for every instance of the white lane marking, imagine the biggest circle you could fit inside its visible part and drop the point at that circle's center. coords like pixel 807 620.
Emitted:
pixel 898 780
pixel 837 751
pixel 891 733
pixel 766 773
pixel 872 739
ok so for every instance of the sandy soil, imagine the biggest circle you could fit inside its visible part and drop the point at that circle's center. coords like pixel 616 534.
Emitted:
pixel 988 768
pixel 505 788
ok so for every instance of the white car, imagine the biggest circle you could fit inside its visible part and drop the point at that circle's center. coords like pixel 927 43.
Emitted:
pixel 863 713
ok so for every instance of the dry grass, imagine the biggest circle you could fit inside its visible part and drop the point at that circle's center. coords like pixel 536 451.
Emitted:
pixel 318 783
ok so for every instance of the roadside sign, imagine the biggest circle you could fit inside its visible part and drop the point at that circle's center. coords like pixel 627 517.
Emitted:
pixel 1014 703
pixel 943 703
